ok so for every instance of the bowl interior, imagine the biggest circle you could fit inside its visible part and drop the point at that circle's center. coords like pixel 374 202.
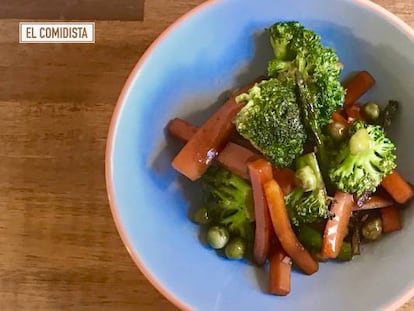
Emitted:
pixel 186 74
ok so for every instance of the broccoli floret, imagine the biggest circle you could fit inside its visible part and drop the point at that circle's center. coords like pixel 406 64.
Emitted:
pixel 271 121
pixel 364 160
pixel 298 48
pixel 307 207
pixel 229 202
pixel 308 202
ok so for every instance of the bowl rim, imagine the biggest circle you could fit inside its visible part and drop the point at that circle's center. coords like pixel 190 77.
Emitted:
pixel 374 7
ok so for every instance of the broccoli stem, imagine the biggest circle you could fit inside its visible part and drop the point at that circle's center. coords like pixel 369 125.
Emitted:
pixel 310 117
pixel 310 160
pixel 345 254
pixel 305 179
pixel 312 239
pixel 308 108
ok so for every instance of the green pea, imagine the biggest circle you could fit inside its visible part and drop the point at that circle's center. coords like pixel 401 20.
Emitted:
pixel 217 237
pixel 235 249
pixel 371 111
pixel 337 131
pixel 201 216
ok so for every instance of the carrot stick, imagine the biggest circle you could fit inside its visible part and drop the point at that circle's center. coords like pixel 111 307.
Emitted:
pixel 335 229
pixel 375 201
pixel 337 117
pixel 285 177
pixel 284 231
pixel 397 187
pixel 390 217
pixel 261 172
pixel 358 86
pixel 280 266
pixel 197 154
pixel 181 129
pixel 353 112
pixel 235 158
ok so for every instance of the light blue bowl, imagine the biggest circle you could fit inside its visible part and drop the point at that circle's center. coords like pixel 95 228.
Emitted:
pixel 216 47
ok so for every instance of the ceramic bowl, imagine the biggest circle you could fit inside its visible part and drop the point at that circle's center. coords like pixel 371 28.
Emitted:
pixel 185 73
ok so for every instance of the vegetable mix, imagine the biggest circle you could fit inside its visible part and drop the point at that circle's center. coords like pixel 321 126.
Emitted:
pixel 294 170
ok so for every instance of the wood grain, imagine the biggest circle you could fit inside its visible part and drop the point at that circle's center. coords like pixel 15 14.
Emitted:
pixel 125 10
pixel 59 246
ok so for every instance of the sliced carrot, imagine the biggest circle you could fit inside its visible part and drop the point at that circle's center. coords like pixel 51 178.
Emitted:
pixel 181 129
pixel 358 86
pixel 235 158
pixel 397 187
pixel 284 231
pixel 390 217
pixel 261 172
pixel 285 177
pixel 375 201
pixel 280 266
pixel 184 130
pixel 197 154
pixel 336 228
pixel 338 117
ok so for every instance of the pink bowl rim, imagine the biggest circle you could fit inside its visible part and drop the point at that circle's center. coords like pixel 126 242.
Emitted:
pixel 395 20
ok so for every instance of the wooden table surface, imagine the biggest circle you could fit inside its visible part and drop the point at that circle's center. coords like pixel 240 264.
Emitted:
pixel 59 246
